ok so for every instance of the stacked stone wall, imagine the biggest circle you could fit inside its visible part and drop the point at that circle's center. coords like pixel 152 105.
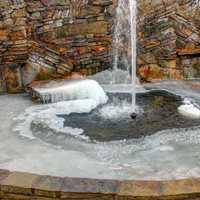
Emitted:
pixel 13 44
pixel 47 39
pixel 168 39
pixel 44 39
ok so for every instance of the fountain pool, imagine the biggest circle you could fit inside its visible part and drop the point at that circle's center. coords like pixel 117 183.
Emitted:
pixel 170 153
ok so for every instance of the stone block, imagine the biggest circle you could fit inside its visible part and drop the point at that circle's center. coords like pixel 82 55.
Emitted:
pixel 12 77
pixel 34 71
pixel 2 82
pixel 167 63
pixel 18 183
pixel 47 186
pixel 152 72
pixel 89 185
pixel 180 187
pixel 10 196
pixel 139 189
pixel 4 174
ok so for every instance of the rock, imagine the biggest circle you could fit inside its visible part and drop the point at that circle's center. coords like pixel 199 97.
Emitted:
pixel 12 79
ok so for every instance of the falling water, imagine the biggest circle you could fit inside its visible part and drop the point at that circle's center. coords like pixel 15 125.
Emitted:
pixel 132 5
pixel 125 44
pixel 121 42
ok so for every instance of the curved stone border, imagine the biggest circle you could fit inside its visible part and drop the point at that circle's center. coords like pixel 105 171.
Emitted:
pixel 25 186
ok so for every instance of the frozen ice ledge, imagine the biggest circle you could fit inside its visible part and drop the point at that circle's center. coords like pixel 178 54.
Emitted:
pixel 63 97
pixel 65 90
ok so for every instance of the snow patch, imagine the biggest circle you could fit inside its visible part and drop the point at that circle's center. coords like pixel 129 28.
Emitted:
pixel 189 109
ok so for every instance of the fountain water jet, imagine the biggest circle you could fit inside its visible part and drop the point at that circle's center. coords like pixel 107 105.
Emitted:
pixel 132 5
pixel 125 39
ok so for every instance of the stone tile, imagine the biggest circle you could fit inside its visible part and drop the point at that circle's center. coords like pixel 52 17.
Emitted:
pixel 80 185
pixel 47 186
pixel 4 174
pixel 180 187
pixel 90 188
pixel 139 188
pixel 19 183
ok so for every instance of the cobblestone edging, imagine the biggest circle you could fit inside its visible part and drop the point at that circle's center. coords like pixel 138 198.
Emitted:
pixel 26 186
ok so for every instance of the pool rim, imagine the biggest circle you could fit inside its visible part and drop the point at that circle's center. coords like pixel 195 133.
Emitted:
pixel 50 186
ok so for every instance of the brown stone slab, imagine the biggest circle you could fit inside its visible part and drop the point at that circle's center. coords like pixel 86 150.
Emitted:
pixel 185 52
pixel 87 196
pixel 180 187
pixel 19 183
pixel 3 174
pixel 140 188
pixel 47 186
pixel 12 77
pixel 2 82
pixel 89 186
pixel 10 196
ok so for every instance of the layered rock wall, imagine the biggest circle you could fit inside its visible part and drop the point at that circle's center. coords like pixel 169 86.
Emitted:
pixel 13 44
pixel 46 39
pixel 43 39
pixel 168 39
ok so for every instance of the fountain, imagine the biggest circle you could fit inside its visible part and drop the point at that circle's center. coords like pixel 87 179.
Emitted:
pixel 89 132
pixel 81 129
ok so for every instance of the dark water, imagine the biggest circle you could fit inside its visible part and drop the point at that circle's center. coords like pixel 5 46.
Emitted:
pixel 159 113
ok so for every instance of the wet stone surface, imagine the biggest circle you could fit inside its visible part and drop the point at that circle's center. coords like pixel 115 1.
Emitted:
pixel 157 112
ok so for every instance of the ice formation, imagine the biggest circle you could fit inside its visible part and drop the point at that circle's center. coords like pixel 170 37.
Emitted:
pixel 82 95
pixel 74 89
pixel 189 109
pixel 169 154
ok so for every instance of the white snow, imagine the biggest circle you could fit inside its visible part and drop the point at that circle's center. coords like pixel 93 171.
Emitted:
pixel 190 110
pixel 75 89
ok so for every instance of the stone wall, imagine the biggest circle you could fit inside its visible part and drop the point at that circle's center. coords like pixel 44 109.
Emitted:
pixel 13 44
pixel 169 39
pixel 45 39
